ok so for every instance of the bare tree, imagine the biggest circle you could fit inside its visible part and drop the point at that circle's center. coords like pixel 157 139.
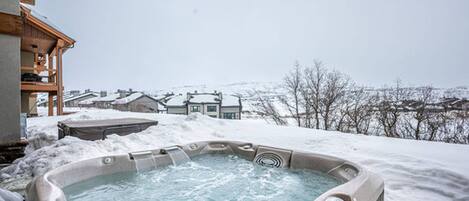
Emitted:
pixel 340 120
pixel 389 108
pixel 314 78
pixel 435 125
pixel 293 84
pixel 319 98
pixel 460 131
pixel 335 87
pixel 266 106
pixel 421 113
pixel 360 112
pixel 307 109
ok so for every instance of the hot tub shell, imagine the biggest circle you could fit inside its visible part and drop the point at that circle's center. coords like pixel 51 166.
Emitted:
pixel 358 183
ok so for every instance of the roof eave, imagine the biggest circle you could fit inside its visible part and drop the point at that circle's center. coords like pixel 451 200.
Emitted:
pixel 34 20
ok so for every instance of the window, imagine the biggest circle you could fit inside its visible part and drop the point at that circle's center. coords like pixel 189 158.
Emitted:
pixel 211 108
pixel 230 115
pixel 195 108
pixel 213 116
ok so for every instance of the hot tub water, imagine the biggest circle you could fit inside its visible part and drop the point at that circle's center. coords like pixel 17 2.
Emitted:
pixel 206 177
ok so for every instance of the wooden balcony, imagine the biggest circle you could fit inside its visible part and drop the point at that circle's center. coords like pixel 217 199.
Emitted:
pixel 46 44
pixel 39 87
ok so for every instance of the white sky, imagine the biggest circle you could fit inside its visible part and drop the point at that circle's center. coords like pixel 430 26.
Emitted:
pixel 157 44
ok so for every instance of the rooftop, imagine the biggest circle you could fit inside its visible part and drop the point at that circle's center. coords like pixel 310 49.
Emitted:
pixel 80 96
pixel 129 98
pixel 204 98
pixel 177 100
pixel 111 97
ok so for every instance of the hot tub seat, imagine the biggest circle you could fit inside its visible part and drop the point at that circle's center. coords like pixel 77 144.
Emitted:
pixel 359 184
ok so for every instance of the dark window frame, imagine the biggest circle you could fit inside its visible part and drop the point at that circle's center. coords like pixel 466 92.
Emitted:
pixel 212 106
pixel 232 115
pixel 195 106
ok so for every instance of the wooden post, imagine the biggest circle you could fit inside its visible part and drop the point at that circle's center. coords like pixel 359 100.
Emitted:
pixel 59 82
pixel 50 79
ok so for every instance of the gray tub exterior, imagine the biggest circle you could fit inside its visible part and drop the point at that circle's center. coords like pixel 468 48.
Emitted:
pixel 359 184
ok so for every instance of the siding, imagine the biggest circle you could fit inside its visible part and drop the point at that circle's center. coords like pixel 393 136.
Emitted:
pixel 176 110
pixel 142 104
pixel 74 103
pixel 10 74
pixel 236 110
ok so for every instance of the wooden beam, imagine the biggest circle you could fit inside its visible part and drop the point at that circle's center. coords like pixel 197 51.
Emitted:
pixel 50 105
pixel 59 99
pixel 38 69
pixel 30 2
pixel 53 52
pixel 11 24
pixel 50 68
pixel 27 87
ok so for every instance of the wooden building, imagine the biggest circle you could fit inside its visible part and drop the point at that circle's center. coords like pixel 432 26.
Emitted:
pixel 42 47
pixel 31 50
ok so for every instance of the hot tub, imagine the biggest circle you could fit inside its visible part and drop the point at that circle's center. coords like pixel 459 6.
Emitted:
pixel 214 166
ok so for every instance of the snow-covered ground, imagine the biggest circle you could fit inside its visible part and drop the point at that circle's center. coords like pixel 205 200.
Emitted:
pixel 412 170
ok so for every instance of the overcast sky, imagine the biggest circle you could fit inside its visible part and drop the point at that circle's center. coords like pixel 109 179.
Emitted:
pixel 157 44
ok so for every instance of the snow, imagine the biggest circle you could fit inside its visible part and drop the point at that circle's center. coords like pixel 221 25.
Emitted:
pixel 40 16
pixel 412 170
pixel 128 99
pixel 229 100
pixel 111 97
pixel 80 96
pixel 177 100
pixel 9 196
pixel 204 98
pixel 88 101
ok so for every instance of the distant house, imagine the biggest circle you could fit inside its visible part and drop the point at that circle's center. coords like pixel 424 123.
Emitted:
pixel 454 104
pixel 88 102
pixel 136 102
pixel 75 100
pixel 106 101
pixel 164 98
pixel 215 105
pixel 465 105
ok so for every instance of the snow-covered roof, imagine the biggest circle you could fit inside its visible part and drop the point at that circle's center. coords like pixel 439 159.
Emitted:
pixel 88 101
pixel 229 100
pixel 40 16
pixel 81 96
pixel 159 97
pixel 111 97
pixel 161 106
pixel 204 98
pixel 178 100
pixel 129 98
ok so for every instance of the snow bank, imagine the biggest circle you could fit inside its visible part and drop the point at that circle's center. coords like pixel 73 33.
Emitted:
pixel 412 170
pixel 9 196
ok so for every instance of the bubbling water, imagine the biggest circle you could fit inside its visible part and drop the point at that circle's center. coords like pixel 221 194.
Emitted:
pixel 206 177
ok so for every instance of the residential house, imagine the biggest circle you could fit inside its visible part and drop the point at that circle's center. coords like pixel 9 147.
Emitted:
pixel 88 102
pixel 75 100
pixel 215 105
pixel 106 101
pixel 136 102
pixel 177 105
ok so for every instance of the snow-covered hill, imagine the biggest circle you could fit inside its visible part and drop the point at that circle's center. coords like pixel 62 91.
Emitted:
pixel 240 88
pixel 412 170
pixel 245 89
